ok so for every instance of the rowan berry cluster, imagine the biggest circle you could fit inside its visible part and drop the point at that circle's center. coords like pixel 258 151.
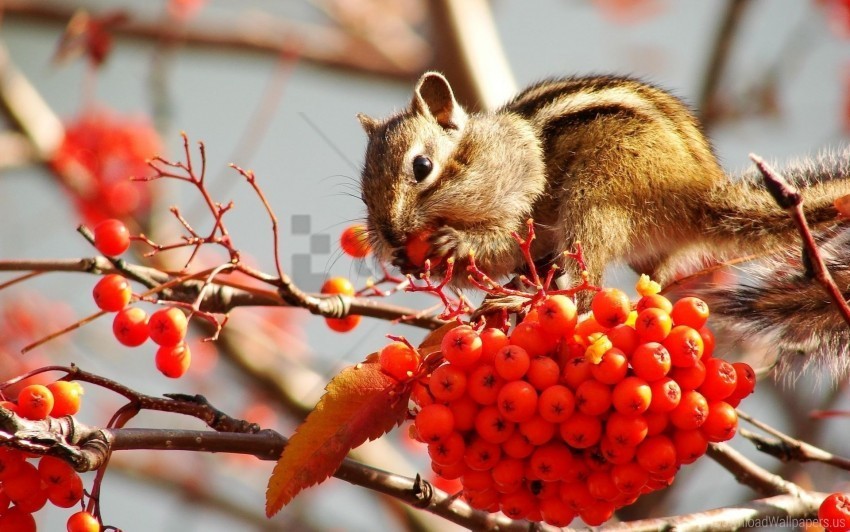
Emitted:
pixel 131 326
pixel 26 483
pixel 566 417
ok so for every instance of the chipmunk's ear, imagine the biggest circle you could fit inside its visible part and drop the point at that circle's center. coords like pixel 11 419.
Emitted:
pixel 369 124
pixel 433 96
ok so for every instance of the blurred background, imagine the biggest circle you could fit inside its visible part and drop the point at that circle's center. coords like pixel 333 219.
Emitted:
pixel 275 87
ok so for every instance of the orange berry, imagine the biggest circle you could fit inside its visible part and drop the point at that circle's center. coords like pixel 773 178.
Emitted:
pixel 556 403
pixel 685 345
pixel 464 411
pixel 631 396
pixel 654 301
pixel 493 426
pixel 542 373
pixel 626 430
pixel 508 475
pixel 512 362
pixel 462 346
pixel 111 237
pixel 130 326
pixel 612 368
pixel 610 307
pixel 483 384
pixel 398 360
pixel 530 336
pixel 83 522
pixel 601 486
pixel 551 462
pixel 614 453
pixel 343 325
pixel 447 451
pixel 112 292
pixel 23 483
pixel 690 311
pixel 691 411
pixel 66 397
pixel 16 520
pixel 581 431
pixel 492 340
pixel 338 285
pixel 721 423
pixel 721 379
pixel 354 241
pixel 666 395
pixel 593 398
pixel 557 315
pixel 689 444
pixel 629 477
pixel 657 454
pixel 517 400
pixel 167 326
pixel 35 402
pixel 482 455
pixel 434 422
pixel 537 430
pixel 651 361
pixel 653 325
pixel 745 382
pixel 518 446
pixel 576 371
pixel 624 338
pixel 173 361
pixel 519 504
pixel 447 383
pixel 689 378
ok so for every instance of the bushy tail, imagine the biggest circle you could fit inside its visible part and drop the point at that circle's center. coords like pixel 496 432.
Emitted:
pixel 773 303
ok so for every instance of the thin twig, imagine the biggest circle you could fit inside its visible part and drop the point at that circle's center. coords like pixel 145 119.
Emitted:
pixel 791 200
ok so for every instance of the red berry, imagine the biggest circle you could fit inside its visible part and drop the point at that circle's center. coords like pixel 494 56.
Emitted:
pixel 492 425
pixel 35 401
pixel 66 397
pixel 666 395
pixel 612 368
pixel 173 361
pixel 483 384
pixel 689 444
pixel 721 379
pixel 653 325
pixel 631 396
pixel 834 512
pixel 83 522
pixel 657 454
pixel 54 471
pixel 354 241
pixel 581 431
pixel 543 372
pixel 537 430
pixel 400 361
pixel 593 398
pixel 343 325
pixel 492 340
pixel 448 451
pixel 16 520
pixel 691 411
pixel 517 401
pixel 11 461
pixel 654 301
pixel 338 285
pixel 167 327
pixel 690 311
pixel 629 477
pixel 611 307
pixel 130 326
pixel 25 481
pixel 721 422
pixel 689 378
pixel 556 403
pixel 67 493
pixel 434 422
pixel 557 315
pixel 512 362
pixel 112 293
pixel 651 361
pixel 530 336
pixel 462 346
pixel 685 345
pixel 111 237
pixel 625 430
pixel 551 462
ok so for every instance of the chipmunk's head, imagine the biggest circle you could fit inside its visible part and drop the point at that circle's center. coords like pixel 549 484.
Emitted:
pixel 434 169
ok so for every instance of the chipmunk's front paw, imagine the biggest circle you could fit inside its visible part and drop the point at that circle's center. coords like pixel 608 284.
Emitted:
pixel 448 242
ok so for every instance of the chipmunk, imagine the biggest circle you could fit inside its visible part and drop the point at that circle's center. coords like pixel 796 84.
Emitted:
pixel 614 163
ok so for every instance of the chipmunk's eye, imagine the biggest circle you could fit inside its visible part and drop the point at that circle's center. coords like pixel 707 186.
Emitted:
pixel 422 167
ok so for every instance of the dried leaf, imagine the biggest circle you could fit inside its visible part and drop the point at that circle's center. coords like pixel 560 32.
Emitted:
pixel 361 403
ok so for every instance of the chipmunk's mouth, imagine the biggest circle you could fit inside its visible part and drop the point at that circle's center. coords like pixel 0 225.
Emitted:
pixel 417 249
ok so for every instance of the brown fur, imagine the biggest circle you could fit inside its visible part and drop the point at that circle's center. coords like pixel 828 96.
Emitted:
pixel 616 164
